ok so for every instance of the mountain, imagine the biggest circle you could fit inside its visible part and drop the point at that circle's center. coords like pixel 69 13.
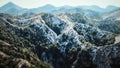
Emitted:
pixel 110 21
pixel 94 8
pixel 99 9
pixel 111 8
pixel 113 14
pixel 58 40
pixel 89 11
pixel 11 8
pixel 46 8
pixel 9 5
pixel 60 37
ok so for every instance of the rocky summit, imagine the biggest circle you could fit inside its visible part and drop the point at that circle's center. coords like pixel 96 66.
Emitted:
pixel 62 39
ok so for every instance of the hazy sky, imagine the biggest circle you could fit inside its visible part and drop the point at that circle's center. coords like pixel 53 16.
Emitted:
pixel 37 3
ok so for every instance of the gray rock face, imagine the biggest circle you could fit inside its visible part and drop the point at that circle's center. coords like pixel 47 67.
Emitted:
pixel 56 24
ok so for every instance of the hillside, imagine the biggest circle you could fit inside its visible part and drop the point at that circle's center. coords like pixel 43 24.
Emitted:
pixel 62 37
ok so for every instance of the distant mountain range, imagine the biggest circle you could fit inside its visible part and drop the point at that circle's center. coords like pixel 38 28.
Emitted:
pixel 12 8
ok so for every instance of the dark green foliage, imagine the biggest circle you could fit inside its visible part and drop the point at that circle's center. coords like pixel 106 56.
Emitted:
pixel 19 48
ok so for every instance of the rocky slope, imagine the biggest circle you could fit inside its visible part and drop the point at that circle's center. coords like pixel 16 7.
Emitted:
pixel 110 21
pixel 59 41
pixel 15 50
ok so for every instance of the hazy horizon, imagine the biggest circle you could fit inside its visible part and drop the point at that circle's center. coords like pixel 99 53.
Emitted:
pixel 58 3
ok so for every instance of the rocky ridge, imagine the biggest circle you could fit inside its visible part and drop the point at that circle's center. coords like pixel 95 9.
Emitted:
pixel 59 40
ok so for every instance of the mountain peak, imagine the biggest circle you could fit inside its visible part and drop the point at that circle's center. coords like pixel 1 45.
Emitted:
pixel 48 6
pixel 10 5
pixel 11 8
